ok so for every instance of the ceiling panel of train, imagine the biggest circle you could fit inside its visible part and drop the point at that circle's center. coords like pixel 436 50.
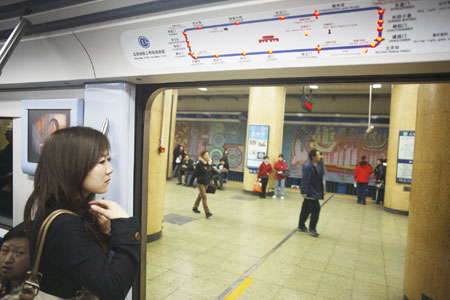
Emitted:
pixel 51 15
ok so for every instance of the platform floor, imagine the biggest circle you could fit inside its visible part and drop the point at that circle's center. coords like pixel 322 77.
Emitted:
pixel 249 250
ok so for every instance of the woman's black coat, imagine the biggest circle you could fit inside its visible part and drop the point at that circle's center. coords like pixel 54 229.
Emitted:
pixel 203 172
pixel 177 152
pixel 72 260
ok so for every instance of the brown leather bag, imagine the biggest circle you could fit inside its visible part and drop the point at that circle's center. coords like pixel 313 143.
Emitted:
pixel 31 289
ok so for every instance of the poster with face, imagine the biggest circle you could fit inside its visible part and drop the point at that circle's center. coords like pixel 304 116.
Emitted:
pixel 41 124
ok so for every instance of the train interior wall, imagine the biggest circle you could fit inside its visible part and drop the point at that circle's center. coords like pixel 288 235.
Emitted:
pixel 119 110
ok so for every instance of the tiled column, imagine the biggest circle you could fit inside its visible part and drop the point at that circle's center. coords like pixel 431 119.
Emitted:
pixel 157 162
pixel 266 107
pixel 427 268
pixel 402 117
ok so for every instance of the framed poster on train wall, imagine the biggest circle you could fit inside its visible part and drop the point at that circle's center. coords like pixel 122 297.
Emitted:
pixel 42 117
pixel 405 156
pixel 258 143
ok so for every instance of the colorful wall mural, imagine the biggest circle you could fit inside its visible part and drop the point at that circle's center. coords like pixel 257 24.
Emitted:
pixel 215 137
pixel 342 147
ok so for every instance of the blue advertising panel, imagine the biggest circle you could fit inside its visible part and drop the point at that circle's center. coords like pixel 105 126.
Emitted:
pixel 258 140
pixel 405 156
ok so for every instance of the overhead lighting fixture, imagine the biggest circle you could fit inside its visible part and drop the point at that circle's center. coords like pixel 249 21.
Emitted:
pixel 376 85
pixel 314 87
pixel 203 89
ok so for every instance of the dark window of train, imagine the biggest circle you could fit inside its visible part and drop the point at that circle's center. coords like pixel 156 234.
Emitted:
pixel 6 172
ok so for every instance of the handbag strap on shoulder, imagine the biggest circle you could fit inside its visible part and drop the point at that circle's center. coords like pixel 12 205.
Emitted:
pixel 42 235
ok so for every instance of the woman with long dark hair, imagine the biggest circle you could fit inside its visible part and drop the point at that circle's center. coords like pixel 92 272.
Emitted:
pixel 73 167
pixel 203 173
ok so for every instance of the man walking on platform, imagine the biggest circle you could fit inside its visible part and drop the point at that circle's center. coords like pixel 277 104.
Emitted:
pixel 312 190
pixel 362 177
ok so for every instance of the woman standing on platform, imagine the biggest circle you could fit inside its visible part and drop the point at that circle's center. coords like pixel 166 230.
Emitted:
pixel 203 173
pixel 280 179
pixel 265 169
pixel 73 167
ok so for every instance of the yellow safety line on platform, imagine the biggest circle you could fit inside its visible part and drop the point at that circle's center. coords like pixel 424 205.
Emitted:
pixel 240 289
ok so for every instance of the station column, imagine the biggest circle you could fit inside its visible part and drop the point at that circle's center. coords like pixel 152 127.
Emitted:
pixel 266 107
pixel 402 117
pixel 427 266
pixel 159 113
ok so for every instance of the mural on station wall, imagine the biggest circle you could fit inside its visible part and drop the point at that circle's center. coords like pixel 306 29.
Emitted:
pixel 214 136
pixel 342 147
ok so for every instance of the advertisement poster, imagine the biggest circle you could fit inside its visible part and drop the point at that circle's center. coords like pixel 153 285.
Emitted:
pixel 405 156
pixel 258 140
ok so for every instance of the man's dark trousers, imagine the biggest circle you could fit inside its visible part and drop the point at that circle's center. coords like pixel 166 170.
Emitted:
pixel 361 191
pixel 309 206
pixel 186 174
pixel 218 180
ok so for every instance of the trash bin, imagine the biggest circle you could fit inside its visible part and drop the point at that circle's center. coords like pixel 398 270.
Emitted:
pixel 341 188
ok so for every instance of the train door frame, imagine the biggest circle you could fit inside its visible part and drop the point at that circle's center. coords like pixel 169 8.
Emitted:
pixel 148 92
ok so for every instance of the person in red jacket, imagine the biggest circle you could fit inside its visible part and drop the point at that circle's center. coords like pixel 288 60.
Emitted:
pixel 362 177
pixel 280 168
pixel 265 169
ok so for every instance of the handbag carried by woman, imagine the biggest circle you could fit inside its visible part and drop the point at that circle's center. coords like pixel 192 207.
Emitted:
pixel 31 289
pixel 257 187
pixel 211 189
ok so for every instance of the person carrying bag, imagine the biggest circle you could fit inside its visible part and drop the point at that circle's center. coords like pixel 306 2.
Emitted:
pixel 203 173
pixel 264 171
pixel 79 243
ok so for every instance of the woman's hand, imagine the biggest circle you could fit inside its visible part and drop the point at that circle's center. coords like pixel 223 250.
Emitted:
pixel 104 224
pixel 108 209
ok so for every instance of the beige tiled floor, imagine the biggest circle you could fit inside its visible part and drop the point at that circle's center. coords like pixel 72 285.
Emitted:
pixel 359 254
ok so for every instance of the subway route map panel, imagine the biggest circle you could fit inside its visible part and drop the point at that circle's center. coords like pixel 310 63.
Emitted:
pixel 348 33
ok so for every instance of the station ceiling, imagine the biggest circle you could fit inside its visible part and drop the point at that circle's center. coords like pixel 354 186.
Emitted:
pixel 322 89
